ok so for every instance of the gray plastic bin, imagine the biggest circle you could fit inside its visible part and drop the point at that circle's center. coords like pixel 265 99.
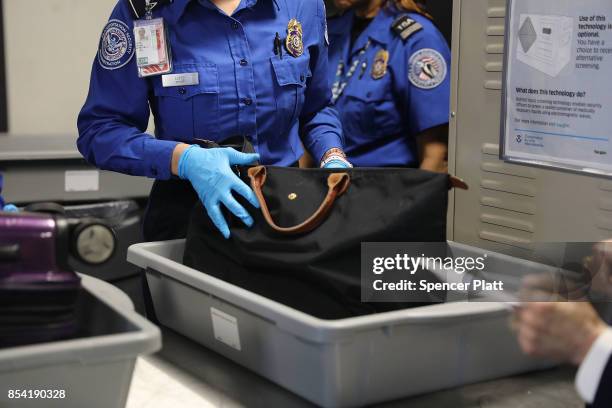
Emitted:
pixel 342 363
pixel 95 371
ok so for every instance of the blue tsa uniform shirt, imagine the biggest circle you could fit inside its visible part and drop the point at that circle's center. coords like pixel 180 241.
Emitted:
pixel 391 86
pixel 260 73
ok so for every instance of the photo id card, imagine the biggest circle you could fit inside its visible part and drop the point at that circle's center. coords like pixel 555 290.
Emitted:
pixel 153 55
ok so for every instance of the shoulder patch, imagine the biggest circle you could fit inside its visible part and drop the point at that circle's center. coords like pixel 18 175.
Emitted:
pixel 404 27
pixel 116 45
pixel 139 7
pixel 427 69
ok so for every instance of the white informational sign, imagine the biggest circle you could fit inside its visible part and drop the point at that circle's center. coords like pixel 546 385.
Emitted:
pixel 225 328
pixel 558 84
pixel 82 181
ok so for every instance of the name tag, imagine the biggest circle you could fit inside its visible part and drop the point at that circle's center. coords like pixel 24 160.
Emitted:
pixel 186 79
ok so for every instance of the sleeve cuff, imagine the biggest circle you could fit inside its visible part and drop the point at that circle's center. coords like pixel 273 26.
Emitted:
pixel 159 158
pixel 593 366
pixel 324 144
pixel 429 123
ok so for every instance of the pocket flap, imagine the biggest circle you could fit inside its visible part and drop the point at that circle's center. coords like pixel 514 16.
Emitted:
pixel 208 78
pixel 291 71
pixel 368 93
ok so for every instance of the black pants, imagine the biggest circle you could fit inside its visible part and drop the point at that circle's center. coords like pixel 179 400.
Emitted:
pixel 170 206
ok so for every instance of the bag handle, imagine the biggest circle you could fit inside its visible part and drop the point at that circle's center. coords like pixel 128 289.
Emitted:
pixel 456 182
pixel 338 183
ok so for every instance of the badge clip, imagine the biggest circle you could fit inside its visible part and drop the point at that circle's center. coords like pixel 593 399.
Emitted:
pixel 148 10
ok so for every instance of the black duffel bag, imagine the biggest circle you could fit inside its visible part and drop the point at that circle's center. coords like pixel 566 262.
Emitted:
pixel 304 250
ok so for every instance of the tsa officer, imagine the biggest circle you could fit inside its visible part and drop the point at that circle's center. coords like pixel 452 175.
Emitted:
pixel 212 70
pixel 389 66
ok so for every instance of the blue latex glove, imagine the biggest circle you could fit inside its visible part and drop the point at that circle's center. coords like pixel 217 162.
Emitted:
pixel 10 208
pixel 337 164
pixel 211 176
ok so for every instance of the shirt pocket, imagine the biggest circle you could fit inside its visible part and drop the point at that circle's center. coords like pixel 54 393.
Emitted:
pixel 291 76
pixel 370 110
pixel 186 112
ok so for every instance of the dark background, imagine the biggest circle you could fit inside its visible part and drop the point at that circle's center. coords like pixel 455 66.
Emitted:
pixel 442 11
pixel 3 108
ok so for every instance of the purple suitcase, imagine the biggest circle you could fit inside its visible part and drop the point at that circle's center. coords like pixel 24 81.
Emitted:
pixel 38 290
pixel 38 293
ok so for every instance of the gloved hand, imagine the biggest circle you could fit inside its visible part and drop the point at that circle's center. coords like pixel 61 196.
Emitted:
pixel 10 208
pixel 211 176
pixel 335 159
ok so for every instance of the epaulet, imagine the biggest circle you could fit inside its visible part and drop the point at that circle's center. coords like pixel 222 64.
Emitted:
pixel 404 27
pixel 139 7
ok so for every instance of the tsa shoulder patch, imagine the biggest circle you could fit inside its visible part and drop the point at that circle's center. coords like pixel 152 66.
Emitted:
pixel 116 45
pixel 404 27
pixel 427 69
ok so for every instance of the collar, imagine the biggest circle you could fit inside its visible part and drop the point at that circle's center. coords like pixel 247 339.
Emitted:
pixel 379 29
pixel 341 24
pixel 178 7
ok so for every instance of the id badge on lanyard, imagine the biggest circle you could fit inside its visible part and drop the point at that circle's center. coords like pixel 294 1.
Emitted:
pixel 153 54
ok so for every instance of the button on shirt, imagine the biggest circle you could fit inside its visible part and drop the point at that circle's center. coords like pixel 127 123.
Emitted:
pixel 382 117
pixel 245 89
